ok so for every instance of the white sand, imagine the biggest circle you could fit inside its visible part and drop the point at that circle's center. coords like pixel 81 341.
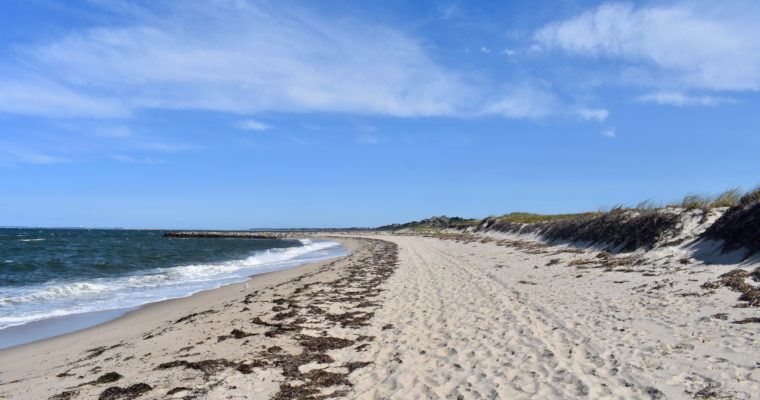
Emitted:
pixel 484 321
pixel 457 319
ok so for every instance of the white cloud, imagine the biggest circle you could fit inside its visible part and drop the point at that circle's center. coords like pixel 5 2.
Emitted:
pixel 508 51
pixel 39 97
pixel 680 100
pixel 534 102
pixel 17 153
pixel 247 58
pixel 114 132
pixel 702 45
pixel 450 11
pixel 524 101
pixel 137 160
pixel 161 147
pixel 252 125
pixel 368 138
pixel 241 58
pixel 485 50
pixel 610 133
pixel 597 114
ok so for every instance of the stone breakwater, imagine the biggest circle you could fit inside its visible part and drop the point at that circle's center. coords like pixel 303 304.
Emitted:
pixel 223 234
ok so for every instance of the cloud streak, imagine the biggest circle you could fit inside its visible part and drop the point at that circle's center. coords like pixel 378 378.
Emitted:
pixel 248 58
pixel 681 100
pixel 252 125
pixel 16 153
pixel 239 57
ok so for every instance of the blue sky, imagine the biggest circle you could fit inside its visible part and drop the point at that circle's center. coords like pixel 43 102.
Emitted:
pixel 238 114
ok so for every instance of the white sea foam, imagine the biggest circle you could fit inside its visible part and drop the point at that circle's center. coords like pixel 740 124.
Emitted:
pixel 31 240
pixel 25 304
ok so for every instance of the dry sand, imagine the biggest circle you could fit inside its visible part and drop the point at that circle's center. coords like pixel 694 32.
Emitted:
pixel 411 317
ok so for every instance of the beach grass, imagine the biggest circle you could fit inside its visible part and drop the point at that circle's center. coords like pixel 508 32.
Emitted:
pixel 728 198
pixel 531 218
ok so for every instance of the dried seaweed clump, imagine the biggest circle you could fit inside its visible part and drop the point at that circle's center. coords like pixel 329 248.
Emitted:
pixel 131 392
pixel 736 280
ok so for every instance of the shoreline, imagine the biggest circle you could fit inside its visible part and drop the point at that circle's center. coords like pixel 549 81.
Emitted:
pixel 154 349
pixel 80 322
pixel 453 316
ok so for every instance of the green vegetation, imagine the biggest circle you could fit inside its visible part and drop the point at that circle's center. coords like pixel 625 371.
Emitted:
pixel 529 218
pixel 648 204
pixel 751 197
pixel 433 224
pixel 695 201
pixel 729 198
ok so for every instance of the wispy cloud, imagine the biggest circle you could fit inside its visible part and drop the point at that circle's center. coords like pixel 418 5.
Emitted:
pixel 524 101
pixel 237 57
pixel 17 153
pixel 610 133
pixel 535 102
pixel 368 138
pixel 137 160
pixel 31 96
pixel 680 100
pixel 162 147
pixel 245 58
pixel 252 125
pixel 699 45
pixel 114 131
pixel 450 11
pixel 597 114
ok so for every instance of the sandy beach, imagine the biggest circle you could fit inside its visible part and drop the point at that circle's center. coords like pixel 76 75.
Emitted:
pixel 453 316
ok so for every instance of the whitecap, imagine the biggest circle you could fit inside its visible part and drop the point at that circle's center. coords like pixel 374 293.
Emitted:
pixel 25 304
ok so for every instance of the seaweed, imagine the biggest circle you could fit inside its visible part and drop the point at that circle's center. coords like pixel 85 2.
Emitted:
pixel 191 317
pixel 320 344
pixel 108 378
pixel 279 329
pixel 128 393
pixel 736 281
pixel 235 334
pixel 97 351
pixel 208 367
pixel 351 319
pixel 177 390
pixel 752 320
pixel 67 395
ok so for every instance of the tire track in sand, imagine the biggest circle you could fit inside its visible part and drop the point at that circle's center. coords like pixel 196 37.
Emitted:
pixel 461 332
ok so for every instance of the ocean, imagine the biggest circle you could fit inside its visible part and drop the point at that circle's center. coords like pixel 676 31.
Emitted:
pixel 48 273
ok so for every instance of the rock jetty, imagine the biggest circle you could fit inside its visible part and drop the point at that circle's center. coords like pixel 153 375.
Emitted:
pixel 221 234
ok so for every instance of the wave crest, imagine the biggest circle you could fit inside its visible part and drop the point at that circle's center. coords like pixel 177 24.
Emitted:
pixel 26 304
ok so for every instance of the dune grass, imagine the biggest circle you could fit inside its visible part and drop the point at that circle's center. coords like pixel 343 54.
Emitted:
pixel 729 198
pixel 751 197
pixel 530 218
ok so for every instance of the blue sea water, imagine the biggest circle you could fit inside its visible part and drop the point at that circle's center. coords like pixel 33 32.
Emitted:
pixel 46 273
